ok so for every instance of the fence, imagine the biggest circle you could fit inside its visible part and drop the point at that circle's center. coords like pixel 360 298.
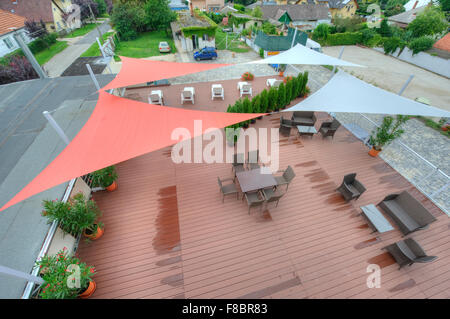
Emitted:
pixel 431 180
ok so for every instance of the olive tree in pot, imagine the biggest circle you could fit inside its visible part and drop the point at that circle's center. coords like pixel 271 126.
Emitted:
pixel 388 131
pixel 106 178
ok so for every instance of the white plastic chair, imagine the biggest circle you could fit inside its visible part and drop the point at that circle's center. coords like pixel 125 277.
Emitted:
pixel 273 82
pixel 156 97
pixel 245 89
pixel 188 94
pixel 217 91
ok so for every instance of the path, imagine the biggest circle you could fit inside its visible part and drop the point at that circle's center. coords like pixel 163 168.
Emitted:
pixel 56 66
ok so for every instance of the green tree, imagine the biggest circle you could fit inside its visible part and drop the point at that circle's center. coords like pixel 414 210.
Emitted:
pixel 256 104
pixel 264 101
pixel 281 101
pixel 321 32
pixel 429 22
pixel 159 15
pixel 288 92
pixel 445 5
pixel 273 98
pixel 101 7
pixel 385 29
pixel 128 19
pixel 421 44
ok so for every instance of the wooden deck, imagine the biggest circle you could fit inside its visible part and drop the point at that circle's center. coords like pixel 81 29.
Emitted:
pixel 168 234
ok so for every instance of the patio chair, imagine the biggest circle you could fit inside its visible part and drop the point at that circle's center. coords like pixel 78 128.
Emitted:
pixel 304 118
pixel 351 188
pixel 286 178
pixel 408 252
pixel 407 212
pixel 238 160
pixel 329 128
pixel 285 126
pixel 273 82
pixel 188 94
pixel 244 89
pixel 254 199
pixel 156 97
pixel 253 159
pixel 227 189
pixel 217 91
pixel 237 169
pixel 272 195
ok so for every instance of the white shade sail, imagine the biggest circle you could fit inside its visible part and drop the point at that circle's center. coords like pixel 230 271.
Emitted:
pixel 300 54
pixel 345 93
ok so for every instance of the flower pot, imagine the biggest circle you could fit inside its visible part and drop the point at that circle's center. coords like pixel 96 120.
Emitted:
pixel 89 290
pixel 112 187
pixel 96 235
pixel 281 73
pixel 374 152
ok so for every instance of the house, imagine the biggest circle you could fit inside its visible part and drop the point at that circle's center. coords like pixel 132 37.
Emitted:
pixel 208 5
pixel 227 9
pixel 304 16
pixel 244 21
pixel 443 44
pixel 10 23
pixel 177 5
pixel 49 11
pixel 258 4
pixel 413 4
pixel 194 30
pixel 403 19
pixel 338 8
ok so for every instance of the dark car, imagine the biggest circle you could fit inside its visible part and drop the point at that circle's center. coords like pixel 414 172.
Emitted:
pixel 207 53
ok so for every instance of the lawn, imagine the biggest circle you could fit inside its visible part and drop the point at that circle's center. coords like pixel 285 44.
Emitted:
pixel 235 46
pixel 82 31
pixel 145 45
pixel 44 56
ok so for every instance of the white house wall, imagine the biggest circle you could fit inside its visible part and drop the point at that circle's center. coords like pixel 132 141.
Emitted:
pixel 4 50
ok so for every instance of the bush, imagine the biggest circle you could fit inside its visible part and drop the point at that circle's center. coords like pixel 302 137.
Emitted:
pixel 281 99
pixel 421 44
pixel 429 22
pixel 392 44
pixel 261 53
pixel 273 99
pixel 247 76
pixel 321 32
pixel 264 101
pixel 128 20
pixel 101 7
pixel 289 96
pixel 43 43
pixel 348 38
pixel 18 68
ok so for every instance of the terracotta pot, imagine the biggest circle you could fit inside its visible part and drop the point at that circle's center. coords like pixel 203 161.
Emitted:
pixel 89 291
pixel 281 73
pixel 96 235
pixel 373 152
pixel 112 187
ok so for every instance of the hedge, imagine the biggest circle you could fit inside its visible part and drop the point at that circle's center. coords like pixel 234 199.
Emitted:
pixel 347 38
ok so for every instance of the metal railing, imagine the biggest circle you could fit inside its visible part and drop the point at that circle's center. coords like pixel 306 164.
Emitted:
pixel 432 181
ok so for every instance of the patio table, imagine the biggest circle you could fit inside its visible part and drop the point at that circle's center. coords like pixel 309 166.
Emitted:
pixel 255 179
pixel 376 219
pixel 306 130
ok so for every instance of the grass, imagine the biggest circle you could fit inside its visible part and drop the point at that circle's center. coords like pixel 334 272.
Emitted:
pixel 145 45
pixel 82 31
pixel 44 56
pixel 436 126
pixel 235 46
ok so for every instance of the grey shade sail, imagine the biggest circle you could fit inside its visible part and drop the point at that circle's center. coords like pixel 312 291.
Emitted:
pixel 300 54
pixel 362 98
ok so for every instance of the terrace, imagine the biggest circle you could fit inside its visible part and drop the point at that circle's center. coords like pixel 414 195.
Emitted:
pixel 168 234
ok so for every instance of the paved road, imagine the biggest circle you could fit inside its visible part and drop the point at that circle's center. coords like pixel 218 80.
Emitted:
pixel 61 61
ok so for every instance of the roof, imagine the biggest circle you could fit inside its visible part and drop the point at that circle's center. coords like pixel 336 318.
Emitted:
pixel 9 20
pixel 246 16
pixel 296 12
pixel 30 9
pixel 443 43
pixel 406 17
pixel 412 4
pixel 338 4
pixel 227 9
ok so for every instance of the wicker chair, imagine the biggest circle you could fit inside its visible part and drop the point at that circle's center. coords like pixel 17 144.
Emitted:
pixel 254 199
pixel 285 127
pixel 272 195
pixel 351 188
pixel 408 252
pixel 304 118
pixel 227 189
pixel 286 178
pixel 253 159
pixel 329 128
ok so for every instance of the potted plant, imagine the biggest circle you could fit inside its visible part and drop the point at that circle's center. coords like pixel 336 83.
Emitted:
pixel 388 131
pixel 60 282
pixel 75 217
pixel 247 76
pixel 281 69
pixel 106 178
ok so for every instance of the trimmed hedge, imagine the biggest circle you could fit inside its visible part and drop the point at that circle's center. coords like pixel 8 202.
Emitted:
pixel 421 44
pixel 347 38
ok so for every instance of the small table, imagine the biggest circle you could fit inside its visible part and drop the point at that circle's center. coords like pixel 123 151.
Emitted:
pixel 376 219
pixel 255 180
pixel 306 130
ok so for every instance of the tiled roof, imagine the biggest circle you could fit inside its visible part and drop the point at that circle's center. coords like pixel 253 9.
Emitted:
pixel 444 43
pixel 296 12
pixel 30 9
pixel 9 20
pixel 406 17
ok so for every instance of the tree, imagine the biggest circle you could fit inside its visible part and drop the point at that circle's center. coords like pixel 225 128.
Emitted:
pixel 385 29
pixel 421 44
pixel 273 98
pixel 394 7
pixel 101 7
pixel 288 92
pixel 257 12
pixel 18 69
pixel 281 101
pixel 429 22
pixel 35 29
pixel 264 101
pixel 85 12
pixel 321 31
pixel 244 2
pixel 445 5
pixel 128 20
pixel 159 15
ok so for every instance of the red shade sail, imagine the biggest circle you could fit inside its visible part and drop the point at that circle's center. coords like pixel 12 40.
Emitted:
pixel 120 129
pixel 137 71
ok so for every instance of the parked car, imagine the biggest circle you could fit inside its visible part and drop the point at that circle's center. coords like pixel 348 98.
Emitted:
pixel 207 53
pixel 164 47
pixel 227 30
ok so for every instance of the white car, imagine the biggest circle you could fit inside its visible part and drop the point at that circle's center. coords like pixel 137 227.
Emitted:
pixel 164 47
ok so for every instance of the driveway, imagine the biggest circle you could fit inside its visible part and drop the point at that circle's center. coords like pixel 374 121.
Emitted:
pixel 390 74
pixel 60 62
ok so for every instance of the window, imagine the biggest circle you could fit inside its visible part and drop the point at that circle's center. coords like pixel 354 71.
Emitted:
pixel 8 43
pixel 205 37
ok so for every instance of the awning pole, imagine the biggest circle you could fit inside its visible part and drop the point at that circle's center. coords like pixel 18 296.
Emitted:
pixel 93 76
pixel 406 84
pixel 57 128
pixel 20 274
pixel 339 57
